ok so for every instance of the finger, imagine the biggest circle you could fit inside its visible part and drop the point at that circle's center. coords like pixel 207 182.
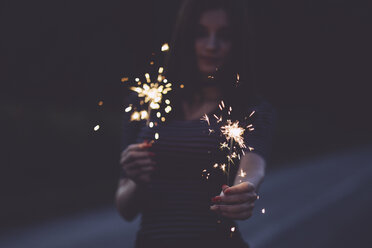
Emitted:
pixel 224 187
pixel 237 198
pixel 135 155
pixel 244 187
pixel 136 147
pixel 139 163
pixel 146 169
pixel 139 172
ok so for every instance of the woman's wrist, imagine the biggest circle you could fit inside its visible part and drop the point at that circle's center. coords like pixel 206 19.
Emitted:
pixel 256 180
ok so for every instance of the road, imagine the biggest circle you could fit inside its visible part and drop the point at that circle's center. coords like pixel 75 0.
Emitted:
pixel 322 202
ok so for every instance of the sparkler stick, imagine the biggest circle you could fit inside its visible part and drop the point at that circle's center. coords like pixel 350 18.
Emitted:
pixel 228 161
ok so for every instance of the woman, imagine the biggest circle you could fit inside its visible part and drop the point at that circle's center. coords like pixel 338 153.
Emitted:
pixel 162 180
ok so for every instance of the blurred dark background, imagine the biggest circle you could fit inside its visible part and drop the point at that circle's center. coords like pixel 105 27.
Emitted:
pixel 58 59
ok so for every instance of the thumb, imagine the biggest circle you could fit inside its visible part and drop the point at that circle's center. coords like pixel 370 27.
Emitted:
pixel 224 187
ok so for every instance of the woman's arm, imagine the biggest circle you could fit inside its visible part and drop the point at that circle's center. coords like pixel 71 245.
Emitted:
pixel 137 167
pixel 253 166
pixel 126 199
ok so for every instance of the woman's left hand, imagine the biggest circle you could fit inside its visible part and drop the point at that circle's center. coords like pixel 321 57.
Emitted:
pixel 236 202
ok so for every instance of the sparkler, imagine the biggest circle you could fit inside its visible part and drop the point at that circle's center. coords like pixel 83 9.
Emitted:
pixel 233 132
pixel 151 91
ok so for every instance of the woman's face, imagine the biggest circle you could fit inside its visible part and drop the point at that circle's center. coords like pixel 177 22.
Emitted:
pixel 213 41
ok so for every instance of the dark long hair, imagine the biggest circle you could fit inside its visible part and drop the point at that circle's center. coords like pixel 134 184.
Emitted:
pixel 181 65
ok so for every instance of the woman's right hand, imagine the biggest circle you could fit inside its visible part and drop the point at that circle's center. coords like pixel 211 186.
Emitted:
pixel 137 162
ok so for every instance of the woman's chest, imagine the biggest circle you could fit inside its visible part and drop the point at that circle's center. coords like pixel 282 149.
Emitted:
pixel 183 142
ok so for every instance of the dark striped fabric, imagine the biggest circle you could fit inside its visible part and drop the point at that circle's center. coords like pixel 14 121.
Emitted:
pixel 175 205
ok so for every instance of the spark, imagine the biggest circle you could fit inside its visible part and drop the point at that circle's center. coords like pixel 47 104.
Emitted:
pixel 137 80
pixel 224 145
pixel 252 113
pixel 215 165
pixel 167 101
pixel 162 119
pixel 148 79
pixel 100 103
pixel 168 109
pixel 233 229
pixel 158 114
pixel 165 47
pixel 210 131
pixel 96 128
pixel 135 116
pixel 151 124
pixel 205 118
pixel 154 105
pixel 156 136
pixel 160 78
pixel 144 115
pixel 242 173
pixel 223 167
pixel 161 69
pixel 219 119
pixel 127 109
pixel 223 104
pixel 263 211
pixel 182 86
pixel 124 79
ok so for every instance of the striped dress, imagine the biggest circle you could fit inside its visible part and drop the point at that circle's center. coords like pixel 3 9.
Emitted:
pixel 176 203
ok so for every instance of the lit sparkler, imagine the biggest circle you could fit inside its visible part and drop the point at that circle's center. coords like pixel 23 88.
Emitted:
pixel 233 132
pixel 151 91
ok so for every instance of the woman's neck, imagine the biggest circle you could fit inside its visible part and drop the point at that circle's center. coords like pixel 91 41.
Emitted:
pixel 203 103
pixel 211 93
